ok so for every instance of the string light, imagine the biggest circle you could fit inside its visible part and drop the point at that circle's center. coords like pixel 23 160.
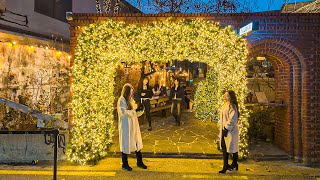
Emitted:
pixel 103 46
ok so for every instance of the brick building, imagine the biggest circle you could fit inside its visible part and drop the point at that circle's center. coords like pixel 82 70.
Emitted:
pixel 292 43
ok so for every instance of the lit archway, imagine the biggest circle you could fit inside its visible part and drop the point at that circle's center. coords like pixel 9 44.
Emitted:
pixel 103 46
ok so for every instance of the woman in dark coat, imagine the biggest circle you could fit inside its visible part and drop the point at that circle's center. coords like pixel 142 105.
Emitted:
pixel 177 98
pixel 146 93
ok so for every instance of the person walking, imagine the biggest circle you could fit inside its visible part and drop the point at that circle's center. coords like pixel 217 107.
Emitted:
pixel 177 98
pixel 146 93
pixel 129 130
pixel 229 132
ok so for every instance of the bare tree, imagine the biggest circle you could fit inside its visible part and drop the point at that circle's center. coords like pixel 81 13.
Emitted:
pixel 196 6
pixel 106 6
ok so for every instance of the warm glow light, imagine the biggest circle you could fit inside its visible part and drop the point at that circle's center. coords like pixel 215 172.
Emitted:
pixel 31 47
pixel 14 42
pixel 58 53
pixel 69 57
pixel 103 46
pixel 261 58
pixel 47 48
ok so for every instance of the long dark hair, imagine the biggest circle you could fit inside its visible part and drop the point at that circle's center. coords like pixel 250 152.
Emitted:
pixel 140 86
pixel 233 99
pixel 127 95
pixel 179 83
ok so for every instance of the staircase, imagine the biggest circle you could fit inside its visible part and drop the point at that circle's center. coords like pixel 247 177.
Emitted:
pixel 42 119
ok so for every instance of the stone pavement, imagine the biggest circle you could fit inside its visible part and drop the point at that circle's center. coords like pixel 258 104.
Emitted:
pixel 193 139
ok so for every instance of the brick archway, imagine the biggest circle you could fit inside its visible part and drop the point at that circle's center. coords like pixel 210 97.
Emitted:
pixel 289 65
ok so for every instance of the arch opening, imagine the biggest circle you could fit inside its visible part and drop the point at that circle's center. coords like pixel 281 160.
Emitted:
pixel 288 64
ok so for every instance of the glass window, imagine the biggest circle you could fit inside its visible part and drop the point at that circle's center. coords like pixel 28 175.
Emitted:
pixel 53 8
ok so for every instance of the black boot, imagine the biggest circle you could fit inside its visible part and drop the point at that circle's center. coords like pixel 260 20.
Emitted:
pixel 179 120
pixel 149 121
pixel 234 164
pixel 175 117
pixel 140 163
pixel 226 166
pixel 125 164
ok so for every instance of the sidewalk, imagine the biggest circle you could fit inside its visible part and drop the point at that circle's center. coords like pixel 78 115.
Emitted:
pixel 193 139
pixel 163 168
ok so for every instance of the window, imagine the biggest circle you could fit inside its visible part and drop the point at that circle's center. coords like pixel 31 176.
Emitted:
pixel 53 8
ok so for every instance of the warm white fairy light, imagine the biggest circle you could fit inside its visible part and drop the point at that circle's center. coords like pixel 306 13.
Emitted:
pixel 103 46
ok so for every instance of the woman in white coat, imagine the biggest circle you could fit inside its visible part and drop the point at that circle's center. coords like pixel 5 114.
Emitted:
pixel 129 130
pixel 229 132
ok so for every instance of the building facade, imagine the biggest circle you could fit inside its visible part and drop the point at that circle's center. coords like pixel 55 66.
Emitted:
pixel 90 6
pixel 291 42
pixel 40 21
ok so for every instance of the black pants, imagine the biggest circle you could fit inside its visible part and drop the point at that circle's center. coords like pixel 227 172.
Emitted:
pixel 225 153
pixel 176 112
pixel 187 100
pixel 147 107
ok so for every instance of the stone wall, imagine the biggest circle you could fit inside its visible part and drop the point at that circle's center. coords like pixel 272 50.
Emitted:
pixel 34 76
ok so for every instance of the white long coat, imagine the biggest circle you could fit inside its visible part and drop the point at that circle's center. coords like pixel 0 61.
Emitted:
pixel 229 119
pixel 129 130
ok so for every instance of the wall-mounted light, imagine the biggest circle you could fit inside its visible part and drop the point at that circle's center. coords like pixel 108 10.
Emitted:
pixel 260 58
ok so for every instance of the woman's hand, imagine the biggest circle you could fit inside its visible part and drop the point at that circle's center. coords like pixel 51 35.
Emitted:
pixel 225 132
pixel 134 106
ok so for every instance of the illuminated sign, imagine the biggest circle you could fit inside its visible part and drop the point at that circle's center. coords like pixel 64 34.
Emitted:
pixel 252 26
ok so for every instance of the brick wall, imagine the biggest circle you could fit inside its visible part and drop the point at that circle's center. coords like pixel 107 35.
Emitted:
pixel 292 43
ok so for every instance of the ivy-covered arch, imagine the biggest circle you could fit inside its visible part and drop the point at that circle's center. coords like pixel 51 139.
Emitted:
pixel 103 46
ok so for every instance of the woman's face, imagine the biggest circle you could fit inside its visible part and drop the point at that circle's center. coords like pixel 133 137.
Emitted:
pixel 176 83
pixel 145 81
pixel 227 96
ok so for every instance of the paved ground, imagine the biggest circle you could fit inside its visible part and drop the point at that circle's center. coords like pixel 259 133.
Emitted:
pixel 193 138
pixel 163 168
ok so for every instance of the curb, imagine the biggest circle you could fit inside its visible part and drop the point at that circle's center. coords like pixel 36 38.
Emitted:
pixel 203 156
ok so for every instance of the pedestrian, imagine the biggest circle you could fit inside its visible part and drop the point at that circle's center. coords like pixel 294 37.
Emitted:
pixel 129 130
pixel 229 132
pixel 146 93
pixel 156 89
pixel 177 98
pixel 187 99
